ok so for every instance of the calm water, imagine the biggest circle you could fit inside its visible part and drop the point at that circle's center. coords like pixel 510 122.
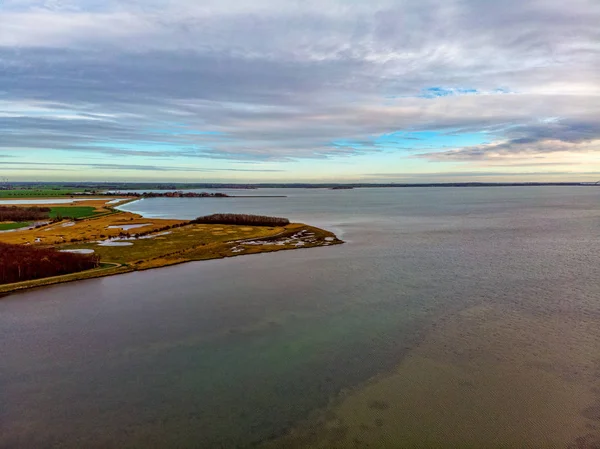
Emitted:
pixel 232 352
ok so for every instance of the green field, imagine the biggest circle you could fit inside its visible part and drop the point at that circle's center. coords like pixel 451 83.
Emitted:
pixel 9 226
pixel 73 212
pixel 35 193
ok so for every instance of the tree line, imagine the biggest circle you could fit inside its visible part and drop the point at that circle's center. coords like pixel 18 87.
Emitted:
pixel 176 194
pixel 242 219
pixel 23 263
pixel 14 213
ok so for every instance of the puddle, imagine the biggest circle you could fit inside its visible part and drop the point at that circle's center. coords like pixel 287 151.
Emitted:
pixel 128 227
pixel 112 243
pixel 77 251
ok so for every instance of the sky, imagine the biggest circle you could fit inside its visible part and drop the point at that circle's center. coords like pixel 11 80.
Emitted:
pixel 300 91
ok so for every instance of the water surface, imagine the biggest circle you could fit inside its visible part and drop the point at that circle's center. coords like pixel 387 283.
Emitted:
pixel 228 353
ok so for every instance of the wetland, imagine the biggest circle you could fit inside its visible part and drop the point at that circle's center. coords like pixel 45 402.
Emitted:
pixel 129 242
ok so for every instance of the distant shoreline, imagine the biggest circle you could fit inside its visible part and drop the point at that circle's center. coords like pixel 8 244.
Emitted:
pixel 83 189
pixel 349 186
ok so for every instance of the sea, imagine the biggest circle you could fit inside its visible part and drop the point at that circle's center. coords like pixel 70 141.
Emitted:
pixel 450 317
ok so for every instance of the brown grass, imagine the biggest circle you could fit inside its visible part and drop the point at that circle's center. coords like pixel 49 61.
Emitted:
pixel 178 244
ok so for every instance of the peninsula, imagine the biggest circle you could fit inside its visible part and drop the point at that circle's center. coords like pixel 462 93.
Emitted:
pixel 89 238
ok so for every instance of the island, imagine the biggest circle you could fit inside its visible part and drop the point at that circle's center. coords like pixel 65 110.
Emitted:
pixel 53 243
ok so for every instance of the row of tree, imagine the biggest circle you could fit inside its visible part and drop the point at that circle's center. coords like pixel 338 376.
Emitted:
pixel 176 194
pixel 242 219
pixel 14 213
pixel 23 263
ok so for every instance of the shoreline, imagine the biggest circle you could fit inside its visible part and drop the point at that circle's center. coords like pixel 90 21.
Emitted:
pixel 117 269
pixel 130 242
pixel 155 243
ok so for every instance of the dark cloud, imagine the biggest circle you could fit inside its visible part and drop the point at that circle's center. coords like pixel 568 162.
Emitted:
pixel 530 140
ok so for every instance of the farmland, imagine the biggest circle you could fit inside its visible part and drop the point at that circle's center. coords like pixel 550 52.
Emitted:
pixel 11 226
pixel 73 212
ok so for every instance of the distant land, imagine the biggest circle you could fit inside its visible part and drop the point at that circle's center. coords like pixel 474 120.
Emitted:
pixel 62 188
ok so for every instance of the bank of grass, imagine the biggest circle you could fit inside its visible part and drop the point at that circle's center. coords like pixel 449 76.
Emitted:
pixel 11 226
pixel 73 212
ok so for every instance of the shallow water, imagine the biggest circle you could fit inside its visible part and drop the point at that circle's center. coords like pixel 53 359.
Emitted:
pixel 114 243
pixel 231 352
pixel 78 251
pixel 128 227
pixel 58 200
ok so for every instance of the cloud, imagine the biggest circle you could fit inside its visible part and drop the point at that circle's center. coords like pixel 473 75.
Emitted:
pixel 266 81
pixel 533 140
pixel 460 175
pixel 25 165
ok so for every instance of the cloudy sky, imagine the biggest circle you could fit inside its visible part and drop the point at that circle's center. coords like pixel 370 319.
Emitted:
pixel 283 90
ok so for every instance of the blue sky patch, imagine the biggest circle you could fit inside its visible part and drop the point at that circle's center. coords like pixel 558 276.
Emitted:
pixel 430 140
pixel 435 92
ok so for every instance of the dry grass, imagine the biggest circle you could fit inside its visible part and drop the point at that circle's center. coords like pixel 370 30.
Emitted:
pixel 270 239
pixel 178 244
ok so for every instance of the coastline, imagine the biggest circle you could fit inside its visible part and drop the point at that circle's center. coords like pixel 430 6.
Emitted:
pixel 117 269
pixel 128 242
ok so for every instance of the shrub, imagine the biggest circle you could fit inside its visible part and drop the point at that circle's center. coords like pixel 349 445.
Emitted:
pixel 242 219
pixel 23 263
pixel 14 213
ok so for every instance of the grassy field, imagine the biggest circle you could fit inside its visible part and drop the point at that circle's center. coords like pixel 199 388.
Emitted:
pixel 178 241
pixel 73 212
pixel 10 226
pixel 35 193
